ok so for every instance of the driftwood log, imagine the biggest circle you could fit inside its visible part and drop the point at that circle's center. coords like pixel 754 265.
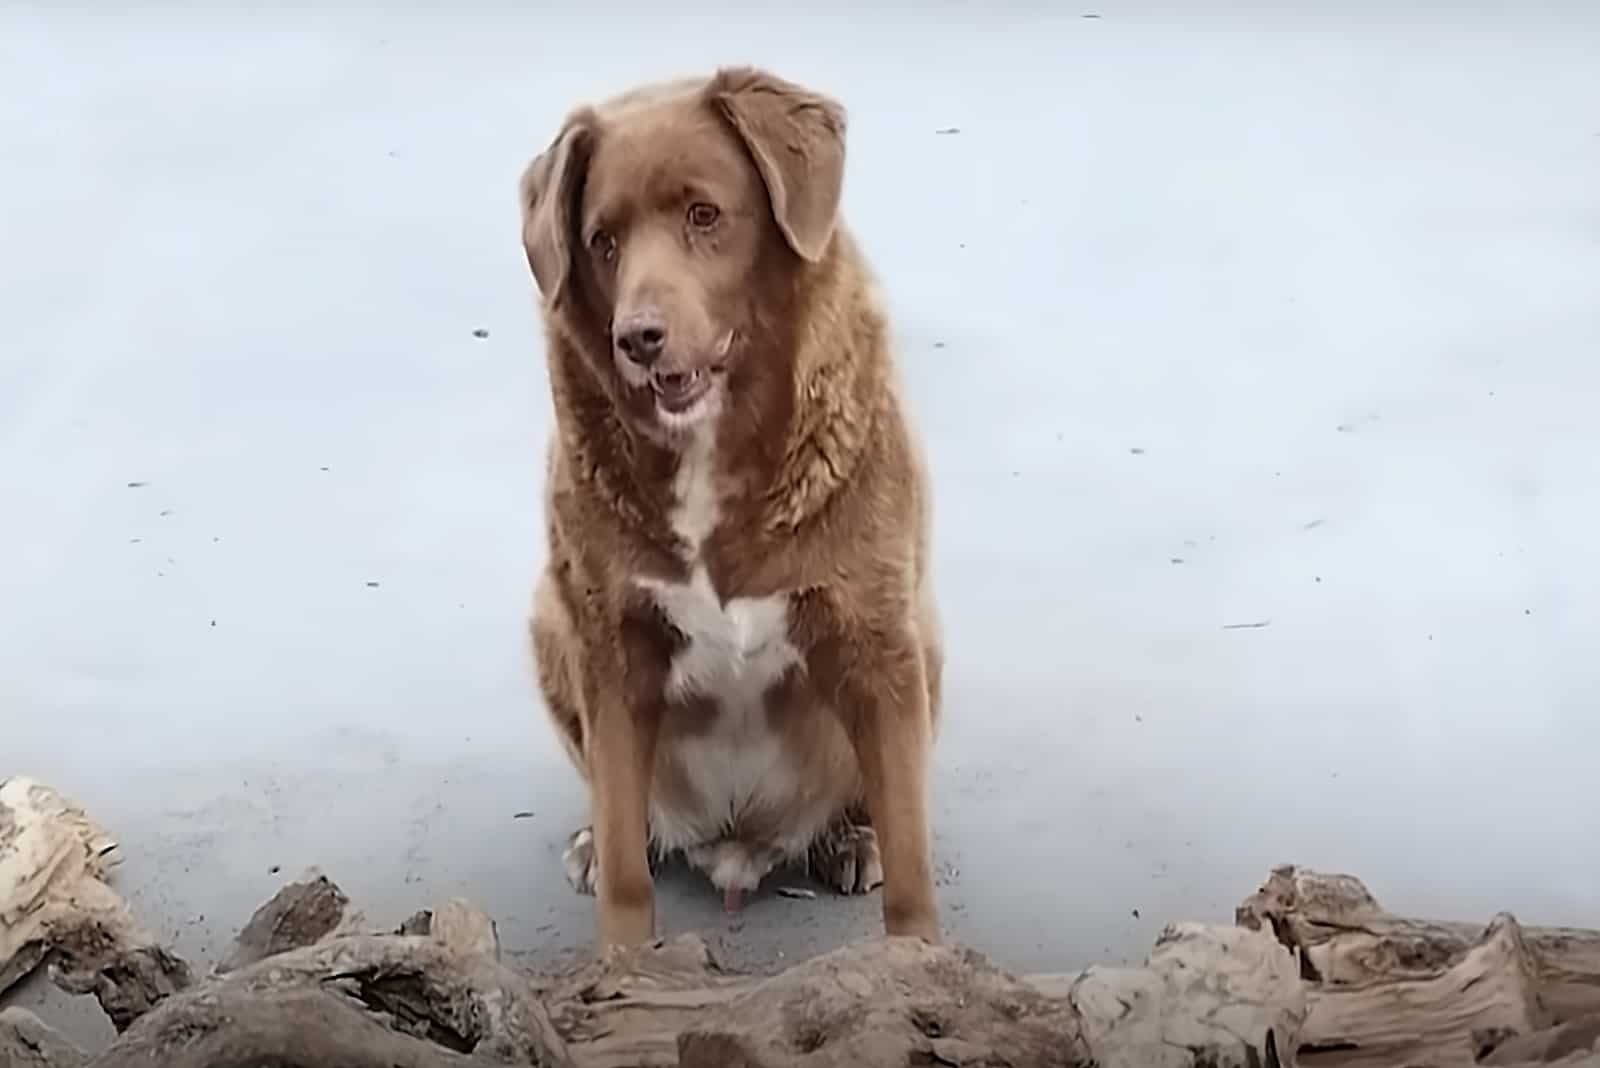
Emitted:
pixel 55 863
pixel 435 994
pixel 1313 972
pixel 1392 991
pixel 1208 996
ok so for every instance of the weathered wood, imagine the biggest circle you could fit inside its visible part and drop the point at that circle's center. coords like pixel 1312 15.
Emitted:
pixel 301 914
pixel 352 1000
pixel 1315 973
pixel 465 928
pixel 1220 997
pixel 28 1042
pixel 1223 997
pixel 1217 996
pixel 627 1009
pixel 889 1002
pixel 297 1028
pixel 1345 938
pixel 127 981
pixel 54 863
pixel 1572 1043
pixel 1386 989
pixel 1457 1016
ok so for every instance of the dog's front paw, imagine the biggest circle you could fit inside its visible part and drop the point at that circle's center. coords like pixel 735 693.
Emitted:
pixel 849 861
pixel 580 861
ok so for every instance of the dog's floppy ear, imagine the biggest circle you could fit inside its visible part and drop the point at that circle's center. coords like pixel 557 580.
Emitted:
pixel 796 138
pixel 550 190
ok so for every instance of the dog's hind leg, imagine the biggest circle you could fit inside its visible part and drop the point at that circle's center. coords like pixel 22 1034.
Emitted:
pixel 555 652
pixel 579 861
pixel 846 857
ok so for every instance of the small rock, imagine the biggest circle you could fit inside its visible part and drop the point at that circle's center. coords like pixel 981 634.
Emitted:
pixel 480 333
pixel 797 892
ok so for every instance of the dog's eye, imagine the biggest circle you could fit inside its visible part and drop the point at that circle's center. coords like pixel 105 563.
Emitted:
pixel 603 245
pixel 703 216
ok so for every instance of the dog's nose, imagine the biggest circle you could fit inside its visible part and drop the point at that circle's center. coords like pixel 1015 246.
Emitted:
pixel 641 337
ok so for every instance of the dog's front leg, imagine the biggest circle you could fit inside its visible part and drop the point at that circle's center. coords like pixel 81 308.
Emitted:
pixel 622 753
pixel 621 757
pixel 882 698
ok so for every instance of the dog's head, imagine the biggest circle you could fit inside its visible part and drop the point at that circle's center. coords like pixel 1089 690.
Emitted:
pixel 669 226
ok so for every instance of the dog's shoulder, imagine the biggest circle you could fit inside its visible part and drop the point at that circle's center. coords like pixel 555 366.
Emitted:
pixel 845 507
pixel 851 437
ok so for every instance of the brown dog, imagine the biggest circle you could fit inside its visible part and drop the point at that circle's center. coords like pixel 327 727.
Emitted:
pixel 735 633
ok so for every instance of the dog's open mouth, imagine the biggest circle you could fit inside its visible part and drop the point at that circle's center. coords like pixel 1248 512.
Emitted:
pixel 679 391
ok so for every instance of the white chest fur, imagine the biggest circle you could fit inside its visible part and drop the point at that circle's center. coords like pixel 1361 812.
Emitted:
pixel 734 652
pixel 735 649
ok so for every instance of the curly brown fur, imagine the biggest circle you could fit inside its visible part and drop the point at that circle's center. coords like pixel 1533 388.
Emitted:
pixel 735 632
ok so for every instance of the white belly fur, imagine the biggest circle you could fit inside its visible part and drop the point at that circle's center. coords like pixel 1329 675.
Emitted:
pixel 735 653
